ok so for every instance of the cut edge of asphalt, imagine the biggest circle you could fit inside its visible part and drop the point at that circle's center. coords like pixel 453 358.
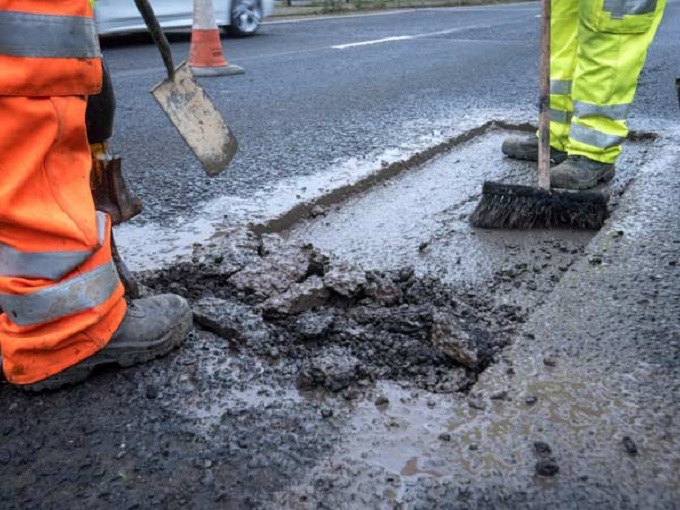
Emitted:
pixel 305 210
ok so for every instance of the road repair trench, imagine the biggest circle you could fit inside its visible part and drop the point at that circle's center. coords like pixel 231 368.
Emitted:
pixel 390 283
pixel 376 286
pixel 387 301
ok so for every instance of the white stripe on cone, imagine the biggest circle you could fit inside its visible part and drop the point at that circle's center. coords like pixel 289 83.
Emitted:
pixel 204 15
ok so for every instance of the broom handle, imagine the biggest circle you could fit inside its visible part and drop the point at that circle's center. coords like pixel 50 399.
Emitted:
pixel 544 100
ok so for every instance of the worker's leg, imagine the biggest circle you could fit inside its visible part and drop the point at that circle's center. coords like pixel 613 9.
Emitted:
pixel 563 46
pixel 613 39
pixel 59 289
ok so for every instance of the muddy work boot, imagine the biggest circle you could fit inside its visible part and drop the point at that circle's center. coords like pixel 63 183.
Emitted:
pixel 152 327
pixel 579 172
pixel 526 148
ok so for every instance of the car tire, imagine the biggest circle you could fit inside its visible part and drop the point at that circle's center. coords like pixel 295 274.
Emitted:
pixel 246 18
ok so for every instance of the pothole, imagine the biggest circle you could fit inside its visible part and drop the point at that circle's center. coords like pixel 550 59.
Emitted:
pixel 336 327
pixel 389 284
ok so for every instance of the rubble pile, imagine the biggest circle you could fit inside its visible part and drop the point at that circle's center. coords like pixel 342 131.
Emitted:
pixel 332 325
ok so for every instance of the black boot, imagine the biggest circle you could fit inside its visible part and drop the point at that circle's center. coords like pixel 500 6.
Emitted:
pixel 152 327
pixel 579 172
pixel 526 148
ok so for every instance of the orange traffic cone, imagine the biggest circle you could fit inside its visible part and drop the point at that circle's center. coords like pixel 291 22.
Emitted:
pixel 205 54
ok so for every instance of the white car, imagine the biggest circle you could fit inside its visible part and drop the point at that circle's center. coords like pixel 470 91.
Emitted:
pixel 240 18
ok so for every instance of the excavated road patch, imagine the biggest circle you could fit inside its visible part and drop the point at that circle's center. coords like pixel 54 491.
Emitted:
pixel 334 326
pixel 411 292
pixel 328 364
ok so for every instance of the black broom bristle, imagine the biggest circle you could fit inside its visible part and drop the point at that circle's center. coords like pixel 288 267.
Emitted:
pixel 523 207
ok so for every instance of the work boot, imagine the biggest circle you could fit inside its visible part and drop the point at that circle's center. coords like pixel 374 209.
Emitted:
pixel 526 148
pixel 579 172
pixel 152 327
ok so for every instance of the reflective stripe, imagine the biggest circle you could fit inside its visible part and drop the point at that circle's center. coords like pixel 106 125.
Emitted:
pixel 562 87
pixel 52 265
pixel 613 111
pixel 619 8
pixel 24 34
pixel 72 296
pixel 560 116
pixel 593 137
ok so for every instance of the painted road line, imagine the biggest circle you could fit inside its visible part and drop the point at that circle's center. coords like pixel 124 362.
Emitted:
pixel 375 41
pixel 146 71
pixel 420 36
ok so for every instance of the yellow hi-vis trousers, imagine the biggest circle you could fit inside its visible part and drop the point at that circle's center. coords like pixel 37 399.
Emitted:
pixel 598 48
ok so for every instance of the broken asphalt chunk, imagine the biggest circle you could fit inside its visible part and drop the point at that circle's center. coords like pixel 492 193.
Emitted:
pixel 300 297
pixel 232 320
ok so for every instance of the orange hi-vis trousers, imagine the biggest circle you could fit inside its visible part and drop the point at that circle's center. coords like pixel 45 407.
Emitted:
pixel 59 289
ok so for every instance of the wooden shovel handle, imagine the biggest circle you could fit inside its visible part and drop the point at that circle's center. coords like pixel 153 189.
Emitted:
pixel 544 100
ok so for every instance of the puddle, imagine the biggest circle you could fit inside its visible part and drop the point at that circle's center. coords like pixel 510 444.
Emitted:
pixel 401 435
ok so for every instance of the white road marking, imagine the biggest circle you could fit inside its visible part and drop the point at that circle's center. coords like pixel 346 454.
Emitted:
pixel 375 41
pixel 419 36
pixel 131 73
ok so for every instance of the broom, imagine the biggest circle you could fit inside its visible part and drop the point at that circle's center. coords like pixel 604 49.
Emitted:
pixel 515 206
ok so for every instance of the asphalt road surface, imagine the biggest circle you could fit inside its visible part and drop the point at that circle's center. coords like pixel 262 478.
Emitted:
pixel 416 363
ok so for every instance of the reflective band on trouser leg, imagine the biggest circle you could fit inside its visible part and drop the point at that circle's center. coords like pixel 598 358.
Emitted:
pixel 560 116
pixel 562 58
pixel 608 65
pixel 613 112
pixel 49 265
pixel 591 136
pixel 560 87
pixel 621 8
pixel 48 49
pixel 24 34
pixel 46 209
pixel 72 296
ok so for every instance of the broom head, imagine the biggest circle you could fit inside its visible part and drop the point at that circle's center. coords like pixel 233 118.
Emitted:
pixel 523 207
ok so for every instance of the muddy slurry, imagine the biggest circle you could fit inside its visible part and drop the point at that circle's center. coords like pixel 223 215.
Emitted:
pixel 336 327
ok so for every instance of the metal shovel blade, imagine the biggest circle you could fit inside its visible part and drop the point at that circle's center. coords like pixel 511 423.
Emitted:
pixel 197 120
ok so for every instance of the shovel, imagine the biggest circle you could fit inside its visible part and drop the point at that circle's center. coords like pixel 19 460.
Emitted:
pixel 188 106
